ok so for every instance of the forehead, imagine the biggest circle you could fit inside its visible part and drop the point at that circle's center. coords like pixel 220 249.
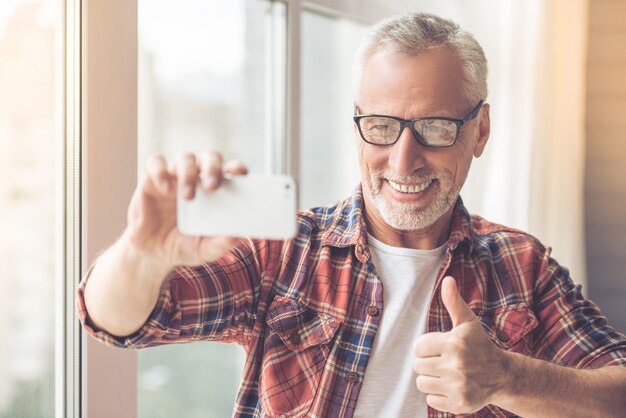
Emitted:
pixel 429 83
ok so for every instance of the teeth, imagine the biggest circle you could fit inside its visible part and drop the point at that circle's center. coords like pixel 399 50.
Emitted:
pixel 409 189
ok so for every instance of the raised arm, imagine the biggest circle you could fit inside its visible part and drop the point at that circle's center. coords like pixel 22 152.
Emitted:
pixel 124 284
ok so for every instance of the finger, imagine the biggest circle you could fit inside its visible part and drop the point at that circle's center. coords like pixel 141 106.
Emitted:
pixel 453 301
pixel 211 170
pixel 439 402
pixel 187 173
pixel 156 170
pixel 428 366
pixel 430 344
pixel 235 167
pixel 430 385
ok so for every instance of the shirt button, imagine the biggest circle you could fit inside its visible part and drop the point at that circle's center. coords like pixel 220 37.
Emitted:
pixel 372 310
pixel 295 338
pixel 353 377
pixel 502 336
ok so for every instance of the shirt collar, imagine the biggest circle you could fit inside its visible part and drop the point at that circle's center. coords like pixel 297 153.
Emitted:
pixel 462 230
pixel 348 225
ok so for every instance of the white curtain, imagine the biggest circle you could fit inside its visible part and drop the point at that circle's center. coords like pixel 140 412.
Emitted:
pixel 557 181
pixel 531 176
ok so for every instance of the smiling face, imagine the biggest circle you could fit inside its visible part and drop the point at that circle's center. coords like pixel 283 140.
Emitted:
pixel 408 187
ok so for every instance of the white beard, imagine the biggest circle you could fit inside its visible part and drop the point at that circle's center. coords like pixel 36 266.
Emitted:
pixel 407 216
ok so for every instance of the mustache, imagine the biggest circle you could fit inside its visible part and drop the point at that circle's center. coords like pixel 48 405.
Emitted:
pixel 418 176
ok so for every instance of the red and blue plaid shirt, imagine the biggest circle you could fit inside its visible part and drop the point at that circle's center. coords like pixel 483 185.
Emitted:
pixel 307 310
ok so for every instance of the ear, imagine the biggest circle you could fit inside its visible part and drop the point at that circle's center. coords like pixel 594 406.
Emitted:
pixel 484 127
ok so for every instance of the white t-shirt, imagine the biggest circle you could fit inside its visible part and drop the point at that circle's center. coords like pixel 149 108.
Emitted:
pixel 408 278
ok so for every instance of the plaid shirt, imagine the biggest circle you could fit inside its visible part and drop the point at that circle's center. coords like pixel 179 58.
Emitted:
pixel 307 310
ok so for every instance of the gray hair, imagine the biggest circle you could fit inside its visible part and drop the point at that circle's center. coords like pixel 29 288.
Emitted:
pixel 417 32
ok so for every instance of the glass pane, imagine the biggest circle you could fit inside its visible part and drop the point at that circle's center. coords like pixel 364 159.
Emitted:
pixel 329 168
pixel 196 380
pixel 27 207
pixel 211 75
pixel 208 78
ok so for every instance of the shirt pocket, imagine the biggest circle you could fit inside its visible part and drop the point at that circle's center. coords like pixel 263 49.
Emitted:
pixel 510 327
pixel 296 348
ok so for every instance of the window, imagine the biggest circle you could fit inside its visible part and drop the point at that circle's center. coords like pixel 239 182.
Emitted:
pixel 196 92
pixel 329 168
pixel 29 191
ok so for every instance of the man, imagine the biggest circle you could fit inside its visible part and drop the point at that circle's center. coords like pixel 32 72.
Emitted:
pixel 394 302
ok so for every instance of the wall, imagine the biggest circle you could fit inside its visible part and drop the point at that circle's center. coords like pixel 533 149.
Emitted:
pixel 606 159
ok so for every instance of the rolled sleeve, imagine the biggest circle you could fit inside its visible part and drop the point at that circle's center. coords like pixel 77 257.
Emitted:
pixel 573 331
pixel 211 302
pixel 153 330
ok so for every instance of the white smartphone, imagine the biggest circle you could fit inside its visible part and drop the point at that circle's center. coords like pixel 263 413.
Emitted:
pixel 250 206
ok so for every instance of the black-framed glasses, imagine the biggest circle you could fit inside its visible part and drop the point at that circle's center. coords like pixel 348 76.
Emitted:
pixel 438 132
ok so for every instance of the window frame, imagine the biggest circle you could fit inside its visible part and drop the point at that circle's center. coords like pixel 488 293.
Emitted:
pixel 67 381
pixel 108 138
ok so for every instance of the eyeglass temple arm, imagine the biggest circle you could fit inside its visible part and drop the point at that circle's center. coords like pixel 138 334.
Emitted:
pixel 474 112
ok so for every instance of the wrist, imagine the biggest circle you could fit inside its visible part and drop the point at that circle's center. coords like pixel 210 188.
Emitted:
pixel 146 261
pixel 509 365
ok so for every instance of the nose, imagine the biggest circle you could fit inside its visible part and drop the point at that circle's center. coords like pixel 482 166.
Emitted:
pixel 407 155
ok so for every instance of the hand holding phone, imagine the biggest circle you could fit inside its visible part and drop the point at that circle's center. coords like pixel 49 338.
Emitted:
pixel 152 229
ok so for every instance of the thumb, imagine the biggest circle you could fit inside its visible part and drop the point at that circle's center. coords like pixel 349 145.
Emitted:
pixel 454 303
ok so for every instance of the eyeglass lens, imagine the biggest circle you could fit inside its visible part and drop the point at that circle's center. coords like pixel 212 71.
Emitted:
pixel 382 130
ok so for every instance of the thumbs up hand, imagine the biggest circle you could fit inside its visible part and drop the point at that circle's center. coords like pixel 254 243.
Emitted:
pixel 462 370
